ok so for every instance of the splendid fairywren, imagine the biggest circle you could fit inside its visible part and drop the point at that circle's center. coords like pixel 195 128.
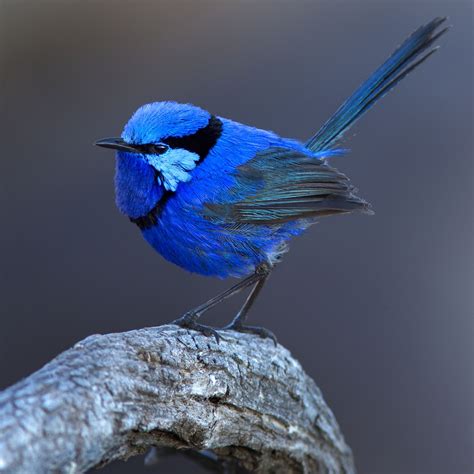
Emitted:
pixel 220 198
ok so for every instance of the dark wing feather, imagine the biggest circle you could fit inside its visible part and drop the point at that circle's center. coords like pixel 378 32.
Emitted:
pixel 280 185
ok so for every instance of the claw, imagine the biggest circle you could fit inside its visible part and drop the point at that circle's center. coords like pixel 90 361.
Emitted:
pixel 188 322
pixel 259 331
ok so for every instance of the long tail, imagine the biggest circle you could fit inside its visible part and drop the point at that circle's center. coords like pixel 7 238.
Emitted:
pixel 386 77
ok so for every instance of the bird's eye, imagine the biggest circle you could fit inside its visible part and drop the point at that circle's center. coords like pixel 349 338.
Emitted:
pixel 155 148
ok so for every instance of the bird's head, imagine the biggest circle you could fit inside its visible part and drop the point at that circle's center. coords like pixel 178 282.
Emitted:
pixel 159 147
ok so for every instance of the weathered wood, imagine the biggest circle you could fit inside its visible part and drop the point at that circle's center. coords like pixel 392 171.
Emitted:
pixel 113 396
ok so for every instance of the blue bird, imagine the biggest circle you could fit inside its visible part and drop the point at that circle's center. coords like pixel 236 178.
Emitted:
pixel 223 199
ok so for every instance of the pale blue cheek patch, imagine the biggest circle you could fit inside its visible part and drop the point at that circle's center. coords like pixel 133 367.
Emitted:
pixel 174 167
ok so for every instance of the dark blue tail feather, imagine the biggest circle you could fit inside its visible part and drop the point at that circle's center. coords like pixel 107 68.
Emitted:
pixel 406 58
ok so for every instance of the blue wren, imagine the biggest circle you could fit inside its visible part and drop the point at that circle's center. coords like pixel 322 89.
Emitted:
pixel 223 199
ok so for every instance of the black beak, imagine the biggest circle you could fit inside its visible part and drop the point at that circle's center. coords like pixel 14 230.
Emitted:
pixel 116 143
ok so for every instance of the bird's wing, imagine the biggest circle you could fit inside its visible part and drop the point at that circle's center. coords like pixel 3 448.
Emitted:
pixel 279 185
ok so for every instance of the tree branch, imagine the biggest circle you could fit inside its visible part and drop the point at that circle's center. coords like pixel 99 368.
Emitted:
pixel 113 396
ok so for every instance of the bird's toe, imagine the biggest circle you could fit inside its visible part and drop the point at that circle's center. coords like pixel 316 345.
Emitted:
pixel 257 330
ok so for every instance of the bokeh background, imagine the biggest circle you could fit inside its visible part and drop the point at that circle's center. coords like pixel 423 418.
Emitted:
pixel 379 310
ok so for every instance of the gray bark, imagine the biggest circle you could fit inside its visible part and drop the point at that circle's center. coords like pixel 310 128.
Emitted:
pixel 114 396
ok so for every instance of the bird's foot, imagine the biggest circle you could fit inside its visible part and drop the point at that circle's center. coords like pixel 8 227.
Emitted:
pixel 188 321
pixel 259 331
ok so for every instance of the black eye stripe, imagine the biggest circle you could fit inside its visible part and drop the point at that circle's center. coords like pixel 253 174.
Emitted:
pixel 200 142
pixel 153 148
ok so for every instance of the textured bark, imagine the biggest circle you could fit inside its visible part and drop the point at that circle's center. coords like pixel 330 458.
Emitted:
pixel 113 396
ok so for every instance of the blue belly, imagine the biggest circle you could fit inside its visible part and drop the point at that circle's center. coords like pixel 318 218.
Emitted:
pixel 203 247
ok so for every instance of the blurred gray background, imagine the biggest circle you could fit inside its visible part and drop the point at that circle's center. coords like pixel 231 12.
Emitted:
pixel 379 310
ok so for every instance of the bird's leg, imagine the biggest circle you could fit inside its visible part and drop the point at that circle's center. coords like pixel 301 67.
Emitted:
pixel 241 316
pixel 189 319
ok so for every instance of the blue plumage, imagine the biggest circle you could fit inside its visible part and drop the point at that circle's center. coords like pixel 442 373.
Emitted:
pixel 406 58
pixel 220 198
pixel 202 242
